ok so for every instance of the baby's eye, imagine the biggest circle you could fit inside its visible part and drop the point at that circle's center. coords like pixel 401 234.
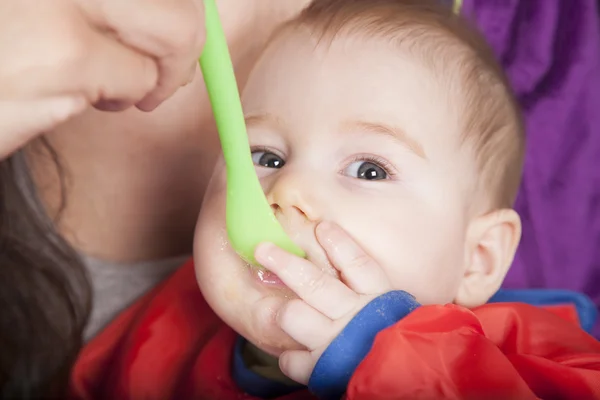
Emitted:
pixel 367 170
pixel 267 159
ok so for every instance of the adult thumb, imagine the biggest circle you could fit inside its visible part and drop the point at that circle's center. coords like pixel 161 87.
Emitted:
pixel 22 120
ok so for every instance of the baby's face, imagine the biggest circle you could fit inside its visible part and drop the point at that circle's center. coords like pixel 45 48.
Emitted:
pixel 356 133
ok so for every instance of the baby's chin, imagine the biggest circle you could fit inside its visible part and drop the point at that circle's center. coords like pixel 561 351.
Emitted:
pixel 248 306
pixel 245 297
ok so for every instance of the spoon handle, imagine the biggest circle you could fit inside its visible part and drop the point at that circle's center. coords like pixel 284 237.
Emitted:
pixel 223 93
pixel 249 217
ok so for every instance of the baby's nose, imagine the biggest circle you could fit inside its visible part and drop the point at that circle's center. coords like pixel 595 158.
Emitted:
pixel 290 217
pixel 291 198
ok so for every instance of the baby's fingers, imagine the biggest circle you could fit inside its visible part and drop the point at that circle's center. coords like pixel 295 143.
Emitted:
pixel 297 365
pixel 358 269
pixel 305 325
pixel 313 285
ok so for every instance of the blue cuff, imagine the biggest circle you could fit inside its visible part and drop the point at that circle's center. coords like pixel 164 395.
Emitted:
pixel 336 366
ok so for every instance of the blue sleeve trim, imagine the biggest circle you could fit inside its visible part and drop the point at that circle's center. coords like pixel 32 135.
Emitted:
pixel 586 309
pixel 336 366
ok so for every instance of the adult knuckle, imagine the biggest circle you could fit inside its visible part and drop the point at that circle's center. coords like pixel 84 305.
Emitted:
pixel 149 75
pixel 65 45
pixel 71 45
pixel 75 52
pixel 55 28
pixel 185 35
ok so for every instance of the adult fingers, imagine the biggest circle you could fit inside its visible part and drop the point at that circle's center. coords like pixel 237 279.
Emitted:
pixel 20 121
pixel 66 56
pixel 109 75
pixel 118 76
pixel 170 31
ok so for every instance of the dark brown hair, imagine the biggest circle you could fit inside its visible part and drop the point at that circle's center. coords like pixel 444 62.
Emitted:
pixel 44 291
pixel 461 60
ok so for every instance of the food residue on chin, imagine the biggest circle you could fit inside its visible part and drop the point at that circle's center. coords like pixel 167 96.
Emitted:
pixel 224 240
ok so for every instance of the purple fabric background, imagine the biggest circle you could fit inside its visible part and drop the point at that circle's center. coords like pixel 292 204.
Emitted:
pixel 551 52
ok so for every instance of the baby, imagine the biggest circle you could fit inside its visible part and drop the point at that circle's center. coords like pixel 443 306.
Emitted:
pixel 390 147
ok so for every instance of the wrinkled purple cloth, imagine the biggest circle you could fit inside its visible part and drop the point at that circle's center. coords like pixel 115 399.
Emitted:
pixel 551 52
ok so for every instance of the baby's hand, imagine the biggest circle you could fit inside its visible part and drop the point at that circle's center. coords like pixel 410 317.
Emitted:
pixel 326 304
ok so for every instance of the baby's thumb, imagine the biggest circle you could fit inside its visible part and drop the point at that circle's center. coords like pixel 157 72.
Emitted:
pixel 22 120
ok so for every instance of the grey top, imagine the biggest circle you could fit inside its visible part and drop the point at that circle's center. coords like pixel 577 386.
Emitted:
pixel 116 286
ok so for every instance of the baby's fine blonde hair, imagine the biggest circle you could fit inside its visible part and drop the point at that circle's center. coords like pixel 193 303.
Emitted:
pixel 459 56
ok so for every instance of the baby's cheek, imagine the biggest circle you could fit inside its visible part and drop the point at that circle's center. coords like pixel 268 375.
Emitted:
pixel 226 297
pixel 218 182
pixel 264 331
pixel 424 263
pixel 436 279
pixel 232 292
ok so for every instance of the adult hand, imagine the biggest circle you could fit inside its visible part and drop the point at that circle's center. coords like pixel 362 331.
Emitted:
pixel 59 56
pixel 326 304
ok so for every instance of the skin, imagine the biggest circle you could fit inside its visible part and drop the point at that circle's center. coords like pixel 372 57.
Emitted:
pixel 136 179
pixel 68 54
pixel 326 110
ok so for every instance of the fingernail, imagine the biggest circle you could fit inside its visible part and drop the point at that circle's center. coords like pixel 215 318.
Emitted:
pixel 326 229
pixel 326 226
pixel 147 105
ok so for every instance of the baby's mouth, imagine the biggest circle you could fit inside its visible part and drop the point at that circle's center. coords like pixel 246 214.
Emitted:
pixel 267 277
pixel 270 281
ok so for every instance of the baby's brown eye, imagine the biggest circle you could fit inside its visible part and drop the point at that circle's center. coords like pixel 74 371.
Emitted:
pixel 366 170
pixel 267 159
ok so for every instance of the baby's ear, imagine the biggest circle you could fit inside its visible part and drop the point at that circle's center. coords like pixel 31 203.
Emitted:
pixel 492 240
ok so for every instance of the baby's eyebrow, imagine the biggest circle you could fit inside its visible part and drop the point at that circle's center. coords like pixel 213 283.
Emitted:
pixel 270 120
pixel 395 133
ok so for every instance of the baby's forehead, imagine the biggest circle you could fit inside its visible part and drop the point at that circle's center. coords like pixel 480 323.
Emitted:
pixel 348 62
pixel 439 46
pixel 355 59
pixel 438 55
pixel 351 84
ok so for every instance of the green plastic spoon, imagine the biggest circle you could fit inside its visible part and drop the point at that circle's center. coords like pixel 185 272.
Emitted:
pixel 249 217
